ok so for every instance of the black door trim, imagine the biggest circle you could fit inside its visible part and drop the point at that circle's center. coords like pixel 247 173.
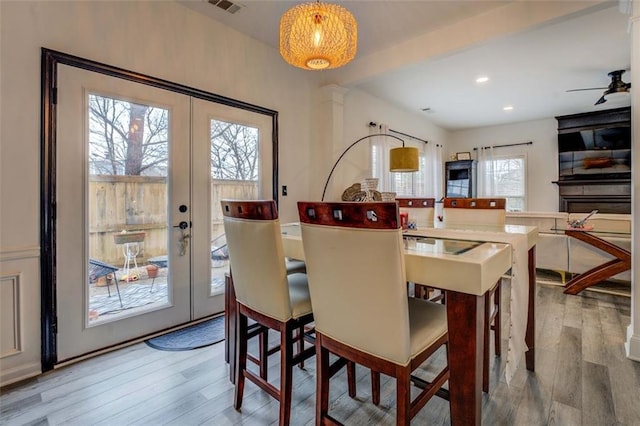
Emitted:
pixel 48 85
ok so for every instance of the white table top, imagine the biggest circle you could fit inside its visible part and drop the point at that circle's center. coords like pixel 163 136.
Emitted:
pixel 455 231
pixel 434 261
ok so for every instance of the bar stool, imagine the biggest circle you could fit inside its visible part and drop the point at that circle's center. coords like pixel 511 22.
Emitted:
pixel 350 249
pixel 267 294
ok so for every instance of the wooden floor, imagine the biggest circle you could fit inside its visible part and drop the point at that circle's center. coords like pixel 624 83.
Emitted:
pixel 582 378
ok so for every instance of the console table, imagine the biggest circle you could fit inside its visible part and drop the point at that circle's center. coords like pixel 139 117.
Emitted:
pixel 621 263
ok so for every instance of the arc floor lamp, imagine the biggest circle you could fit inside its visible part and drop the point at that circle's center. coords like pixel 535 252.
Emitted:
pixel 401 159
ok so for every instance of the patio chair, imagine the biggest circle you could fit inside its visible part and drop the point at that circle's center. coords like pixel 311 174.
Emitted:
pixel 99 269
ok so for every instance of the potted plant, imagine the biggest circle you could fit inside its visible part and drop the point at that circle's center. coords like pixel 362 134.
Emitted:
pixel 152 270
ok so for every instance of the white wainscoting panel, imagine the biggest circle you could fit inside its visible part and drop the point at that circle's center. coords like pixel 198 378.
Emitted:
pixel 20 353
pixel 10 337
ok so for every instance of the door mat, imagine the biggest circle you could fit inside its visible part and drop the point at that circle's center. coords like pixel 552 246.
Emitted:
pixel 193 337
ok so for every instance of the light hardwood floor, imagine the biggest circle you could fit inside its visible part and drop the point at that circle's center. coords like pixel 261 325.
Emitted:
pixel 582 378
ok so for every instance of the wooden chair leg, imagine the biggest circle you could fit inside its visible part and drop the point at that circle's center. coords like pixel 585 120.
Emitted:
pixel 421 291
pixel 417 291
pixel 286 373
pixel 322 383
pixel 301 344
pixel 403 396
pixel 375 387
pixel 263 342
pixel 241 359
pixel 351 378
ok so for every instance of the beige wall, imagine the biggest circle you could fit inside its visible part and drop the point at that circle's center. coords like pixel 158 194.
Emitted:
pixel 542 156
pixel 162 39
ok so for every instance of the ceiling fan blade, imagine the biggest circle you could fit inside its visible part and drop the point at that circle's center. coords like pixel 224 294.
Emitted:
pixel 601 100
pixel 592 88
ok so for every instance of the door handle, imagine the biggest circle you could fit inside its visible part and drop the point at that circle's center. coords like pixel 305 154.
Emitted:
pixel 184 238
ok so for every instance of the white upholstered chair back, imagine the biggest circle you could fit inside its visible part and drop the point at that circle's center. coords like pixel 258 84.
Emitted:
pixel 474 211
pixel 420 210
pixel 355 266
pixel 256 257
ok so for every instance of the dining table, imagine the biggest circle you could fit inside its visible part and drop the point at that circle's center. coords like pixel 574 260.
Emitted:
pixel 466 269
pixel 522 240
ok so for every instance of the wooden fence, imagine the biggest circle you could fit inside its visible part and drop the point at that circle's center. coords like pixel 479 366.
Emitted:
pixel 139 203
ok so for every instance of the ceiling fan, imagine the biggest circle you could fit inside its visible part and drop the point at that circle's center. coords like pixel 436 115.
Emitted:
pixel 617 86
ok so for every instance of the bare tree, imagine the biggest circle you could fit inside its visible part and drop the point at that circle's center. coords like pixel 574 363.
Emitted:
pixel 132 139
pixel 234 151
pixel 127 138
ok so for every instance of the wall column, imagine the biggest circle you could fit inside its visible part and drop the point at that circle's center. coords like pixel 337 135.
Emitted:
pixel 633 331
pixel 328 142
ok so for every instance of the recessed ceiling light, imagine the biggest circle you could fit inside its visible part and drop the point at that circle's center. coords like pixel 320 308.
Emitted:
pixel 508 108
pixel 482 79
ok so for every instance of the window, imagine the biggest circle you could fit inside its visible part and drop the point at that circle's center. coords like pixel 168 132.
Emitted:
pixel 424 183
pixel 505 176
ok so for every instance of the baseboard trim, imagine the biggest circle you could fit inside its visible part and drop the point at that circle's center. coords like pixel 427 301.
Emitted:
pixel 632 345
pixel 19 373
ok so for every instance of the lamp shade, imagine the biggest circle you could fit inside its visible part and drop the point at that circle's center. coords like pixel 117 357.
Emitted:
pixel 404 159
pixel 318 36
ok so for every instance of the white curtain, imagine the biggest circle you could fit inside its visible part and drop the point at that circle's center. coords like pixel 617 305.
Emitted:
pixel 486 182
pixel 431 162
pixel 427 182
pixel 380 157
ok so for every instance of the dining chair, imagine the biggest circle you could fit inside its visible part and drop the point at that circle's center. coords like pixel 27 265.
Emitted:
pixel 355 264
pixel 271 295
pixel 266 294
pixel 421 211
pixel 482 211
pixel 474 211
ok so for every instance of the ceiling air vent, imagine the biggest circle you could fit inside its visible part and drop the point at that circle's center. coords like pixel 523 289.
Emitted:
pixel 226 5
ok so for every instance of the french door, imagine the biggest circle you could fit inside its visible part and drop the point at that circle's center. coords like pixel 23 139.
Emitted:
pixel 140 171
pixel 232 158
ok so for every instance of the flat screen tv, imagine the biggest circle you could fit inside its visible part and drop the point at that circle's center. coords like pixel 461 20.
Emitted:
pixel 595 153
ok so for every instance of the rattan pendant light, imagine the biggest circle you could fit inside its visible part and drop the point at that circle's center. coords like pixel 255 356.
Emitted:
pixel 317 36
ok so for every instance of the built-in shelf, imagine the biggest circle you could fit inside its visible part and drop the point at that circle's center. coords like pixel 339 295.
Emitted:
pixel 597 183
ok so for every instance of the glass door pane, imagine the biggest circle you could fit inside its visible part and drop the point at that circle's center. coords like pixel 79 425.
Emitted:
pixel 128 163
pixel 234 175
pixel 232 158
